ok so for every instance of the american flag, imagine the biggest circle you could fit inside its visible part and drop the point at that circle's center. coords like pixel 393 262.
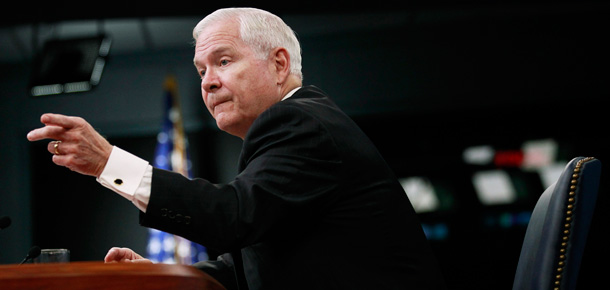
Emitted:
pixel 171 154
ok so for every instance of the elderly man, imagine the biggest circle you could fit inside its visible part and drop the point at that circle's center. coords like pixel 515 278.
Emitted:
pixel 314 205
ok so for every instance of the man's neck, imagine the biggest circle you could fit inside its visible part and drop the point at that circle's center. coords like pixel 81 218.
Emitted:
pixel 288 88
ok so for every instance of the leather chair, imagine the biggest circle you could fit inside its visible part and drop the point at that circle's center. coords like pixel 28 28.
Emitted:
pixel 557 231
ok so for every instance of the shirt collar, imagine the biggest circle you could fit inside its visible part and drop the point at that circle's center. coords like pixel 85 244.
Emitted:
pixel 289 94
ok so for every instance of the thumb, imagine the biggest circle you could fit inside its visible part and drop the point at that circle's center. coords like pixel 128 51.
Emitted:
pixel 113 255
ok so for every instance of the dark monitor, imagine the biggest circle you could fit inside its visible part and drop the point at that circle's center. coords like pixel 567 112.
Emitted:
pixel 69 65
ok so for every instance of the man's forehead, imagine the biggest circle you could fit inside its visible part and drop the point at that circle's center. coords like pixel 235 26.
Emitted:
pixel 216 35
pixel 218 29
pixel 216 44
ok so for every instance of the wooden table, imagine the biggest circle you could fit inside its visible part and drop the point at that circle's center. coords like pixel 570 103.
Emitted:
pixel 98 275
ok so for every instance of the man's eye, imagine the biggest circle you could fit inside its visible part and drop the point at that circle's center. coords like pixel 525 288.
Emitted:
pixel 224 62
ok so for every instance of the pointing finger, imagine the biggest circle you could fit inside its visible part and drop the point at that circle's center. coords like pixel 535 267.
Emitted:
pixel 47 132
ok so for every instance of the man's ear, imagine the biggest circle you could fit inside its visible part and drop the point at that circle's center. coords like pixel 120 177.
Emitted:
pixel 281 62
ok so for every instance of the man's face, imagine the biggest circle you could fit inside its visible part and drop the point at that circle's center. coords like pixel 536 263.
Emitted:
pixel 236 85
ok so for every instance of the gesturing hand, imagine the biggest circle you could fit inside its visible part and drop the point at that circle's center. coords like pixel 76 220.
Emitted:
pixel 79 147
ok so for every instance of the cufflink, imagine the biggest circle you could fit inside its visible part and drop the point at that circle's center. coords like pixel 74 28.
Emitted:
pixel 118 181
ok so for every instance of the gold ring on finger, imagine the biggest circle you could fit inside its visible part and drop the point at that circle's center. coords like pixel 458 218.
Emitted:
pixel 56 146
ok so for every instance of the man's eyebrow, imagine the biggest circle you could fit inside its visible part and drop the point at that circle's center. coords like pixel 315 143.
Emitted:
pixel 216 52
pixel 221 50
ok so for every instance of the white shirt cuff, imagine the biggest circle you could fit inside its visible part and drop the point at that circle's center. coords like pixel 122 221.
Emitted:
pixel 129 176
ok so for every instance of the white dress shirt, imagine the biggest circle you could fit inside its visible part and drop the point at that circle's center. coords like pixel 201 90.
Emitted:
pixel 131 176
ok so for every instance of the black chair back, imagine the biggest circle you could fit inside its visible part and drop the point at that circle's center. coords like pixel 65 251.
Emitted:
pixel 557 231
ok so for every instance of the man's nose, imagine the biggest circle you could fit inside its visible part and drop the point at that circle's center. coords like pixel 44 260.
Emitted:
pixel 210 81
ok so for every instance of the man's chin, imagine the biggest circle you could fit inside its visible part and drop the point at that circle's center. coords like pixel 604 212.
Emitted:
pixel 224 122
pixel 231 126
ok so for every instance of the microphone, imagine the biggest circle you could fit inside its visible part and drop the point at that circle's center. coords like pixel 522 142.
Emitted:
pixel 32 254
pixel 5 222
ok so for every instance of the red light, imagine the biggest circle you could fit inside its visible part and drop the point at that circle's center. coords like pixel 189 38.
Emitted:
pixel 508 158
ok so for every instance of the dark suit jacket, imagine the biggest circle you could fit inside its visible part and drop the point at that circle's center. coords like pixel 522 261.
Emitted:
pixel 314 206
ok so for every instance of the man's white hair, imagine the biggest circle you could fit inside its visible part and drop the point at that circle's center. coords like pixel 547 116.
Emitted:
pixel 261 30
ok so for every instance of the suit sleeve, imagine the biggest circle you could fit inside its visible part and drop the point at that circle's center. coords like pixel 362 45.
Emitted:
pixel 289 167
pixel 222 269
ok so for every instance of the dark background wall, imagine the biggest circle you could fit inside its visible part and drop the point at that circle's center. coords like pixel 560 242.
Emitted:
pixel 424 82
